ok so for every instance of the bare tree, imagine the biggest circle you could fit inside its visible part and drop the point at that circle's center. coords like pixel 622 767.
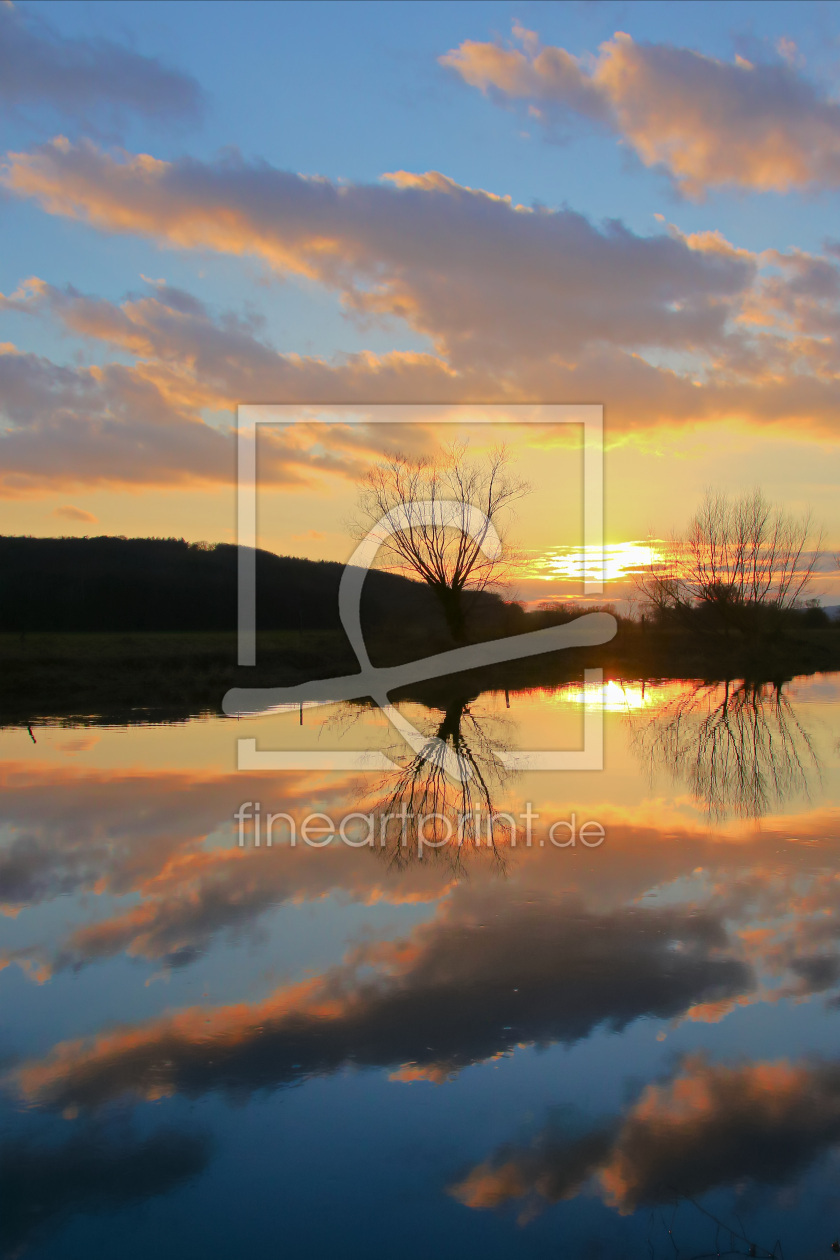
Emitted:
pixel 438 547
pixel 738 556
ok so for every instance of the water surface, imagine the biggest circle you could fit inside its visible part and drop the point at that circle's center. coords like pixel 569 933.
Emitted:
pixel 627 1048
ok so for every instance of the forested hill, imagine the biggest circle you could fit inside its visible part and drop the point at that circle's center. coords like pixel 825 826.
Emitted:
pixel 166 584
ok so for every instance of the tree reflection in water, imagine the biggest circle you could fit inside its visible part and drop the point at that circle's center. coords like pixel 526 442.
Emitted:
pixel 739 746
pixel 441 803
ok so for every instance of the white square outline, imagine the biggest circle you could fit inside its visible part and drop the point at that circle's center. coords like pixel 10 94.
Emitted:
pixel 250 415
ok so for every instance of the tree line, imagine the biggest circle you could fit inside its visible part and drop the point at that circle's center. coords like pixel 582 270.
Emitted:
pixel 110 584
pixel 743 567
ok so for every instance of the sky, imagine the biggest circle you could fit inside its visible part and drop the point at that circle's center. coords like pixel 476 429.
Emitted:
pixel 205 205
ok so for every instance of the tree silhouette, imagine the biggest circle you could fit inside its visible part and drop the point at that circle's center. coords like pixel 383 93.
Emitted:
pixel 740 563
pixel 439 549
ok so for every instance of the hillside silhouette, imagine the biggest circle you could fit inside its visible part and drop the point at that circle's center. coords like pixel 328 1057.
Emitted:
pixel 166 584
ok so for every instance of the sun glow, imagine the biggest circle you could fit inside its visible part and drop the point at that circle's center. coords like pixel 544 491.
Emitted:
pixel 620 561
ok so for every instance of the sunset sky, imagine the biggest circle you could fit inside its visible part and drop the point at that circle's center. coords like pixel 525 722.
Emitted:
pixel 630 204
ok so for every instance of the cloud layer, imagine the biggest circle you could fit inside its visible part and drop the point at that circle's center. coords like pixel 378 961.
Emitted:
pixel 476 274
pixel 449 995
pixel 515 304
pixel 561 960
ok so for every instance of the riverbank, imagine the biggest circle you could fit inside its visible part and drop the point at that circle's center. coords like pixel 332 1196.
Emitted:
pixel 135 677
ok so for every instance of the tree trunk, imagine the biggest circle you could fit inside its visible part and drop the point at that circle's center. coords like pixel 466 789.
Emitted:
pixel 453 611
pixel 450 726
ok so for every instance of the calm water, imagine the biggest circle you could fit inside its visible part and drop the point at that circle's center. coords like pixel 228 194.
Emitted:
pixel 495 1049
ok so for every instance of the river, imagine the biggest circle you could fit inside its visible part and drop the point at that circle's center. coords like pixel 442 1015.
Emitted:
pixel 578 1013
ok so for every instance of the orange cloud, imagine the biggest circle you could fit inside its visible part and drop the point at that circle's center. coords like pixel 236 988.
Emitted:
pixel 142 425
pixel 71 513
pixel 708 122
pixel 710 1126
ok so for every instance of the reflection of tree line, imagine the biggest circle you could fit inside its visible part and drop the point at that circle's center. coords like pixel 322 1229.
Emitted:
pixel 738 746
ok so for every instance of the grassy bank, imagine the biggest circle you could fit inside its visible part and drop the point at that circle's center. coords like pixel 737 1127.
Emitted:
pixel 141 676
pixel 167 676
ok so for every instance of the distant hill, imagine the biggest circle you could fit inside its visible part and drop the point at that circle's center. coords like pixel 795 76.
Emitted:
pixel 167 584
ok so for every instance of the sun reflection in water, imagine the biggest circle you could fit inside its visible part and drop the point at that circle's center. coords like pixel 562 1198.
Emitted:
pixel 617 696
